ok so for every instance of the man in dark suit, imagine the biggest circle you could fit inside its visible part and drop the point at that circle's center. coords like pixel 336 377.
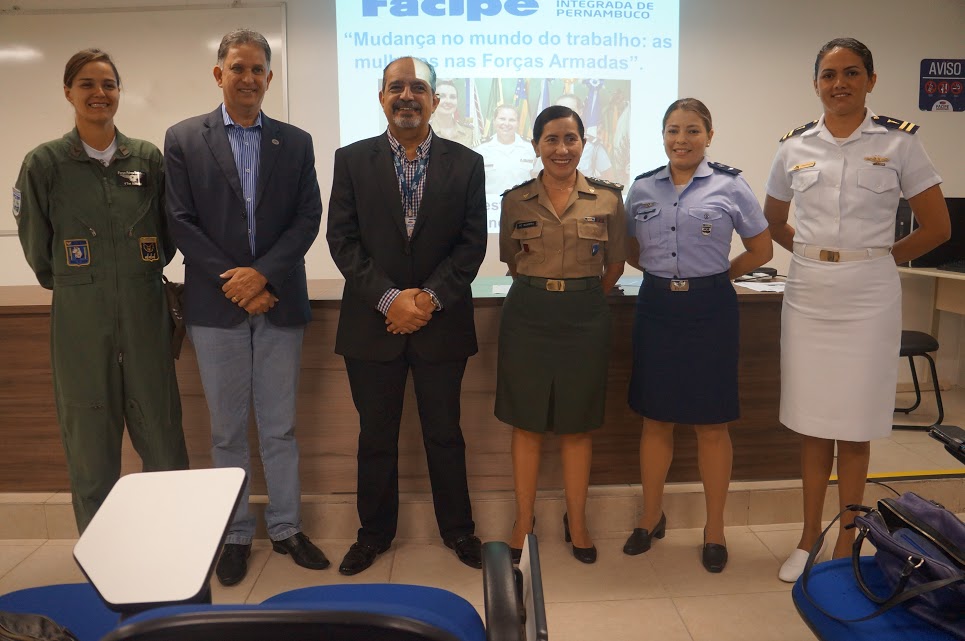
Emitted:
pixel 244 206
pixel 407 229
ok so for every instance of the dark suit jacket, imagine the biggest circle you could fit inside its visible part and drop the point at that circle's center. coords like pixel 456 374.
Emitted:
pixel 207 214
pixel 367 237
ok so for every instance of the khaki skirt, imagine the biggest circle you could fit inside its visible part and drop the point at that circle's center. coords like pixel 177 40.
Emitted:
pixel 553 356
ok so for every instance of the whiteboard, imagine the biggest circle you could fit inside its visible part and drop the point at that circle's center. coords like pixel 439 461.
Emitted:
pixel 165 58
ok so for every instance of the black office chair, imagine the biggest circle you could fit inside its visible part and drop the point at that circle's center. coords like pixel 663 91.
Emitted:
pixel 920 344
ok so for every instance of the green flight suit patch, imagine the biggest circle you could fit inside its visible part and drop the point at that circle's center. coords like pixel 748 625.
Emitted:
pixel 149 250
pixel 78 252
pixel 17 201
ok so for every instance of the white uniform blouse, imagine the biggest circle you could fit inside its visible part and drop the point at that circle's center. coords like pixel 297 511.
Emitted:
pixel 846 195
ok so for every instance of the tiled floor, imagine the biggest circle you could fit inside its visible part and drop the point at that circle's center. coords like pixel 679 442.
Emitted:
pixel 664 594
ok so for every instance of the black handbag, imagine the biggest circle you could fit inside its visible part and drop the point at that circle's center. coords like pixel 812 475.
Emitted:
pixel 174 293
pixel 15 626
pixel 920 550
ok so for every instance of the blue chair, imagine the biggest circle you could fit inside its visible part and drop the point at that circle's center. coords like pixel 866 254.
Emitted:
pixel 76 606
pixel 833 587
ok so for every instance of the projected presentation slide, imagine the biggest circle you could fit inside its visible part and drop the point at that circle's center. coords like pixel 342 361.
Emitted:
pixel 499 63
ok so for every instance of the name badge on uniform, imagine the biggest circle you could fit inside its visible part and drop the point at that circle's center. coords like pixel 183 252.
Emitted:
pixel 526 223
pixel 705 228
pixel 149 250
pixel 803 165
pixel 592 219
pixel 78 252
pixel 595 249
pixel 131 178
pixel 17 201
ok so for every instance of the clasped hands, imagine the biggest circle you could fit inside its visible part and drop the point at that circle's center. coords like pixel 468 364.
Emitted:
pixel 246 289
pixel 409 312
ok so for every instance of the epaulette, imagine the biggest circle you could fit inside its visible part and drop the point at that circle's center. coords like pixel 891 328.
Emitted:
pixel 605 183
pixel 526 182
pixel 893 123
pixel 797 131
pixel 727 169
pixel 647 174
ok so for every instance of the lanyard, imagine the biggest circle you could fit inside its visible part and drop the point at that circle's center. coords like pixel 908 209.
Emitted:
pixel 409 187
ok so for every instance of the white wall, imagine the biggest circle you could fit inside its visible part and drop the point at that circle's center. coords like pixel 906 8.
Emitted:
pixel 751 61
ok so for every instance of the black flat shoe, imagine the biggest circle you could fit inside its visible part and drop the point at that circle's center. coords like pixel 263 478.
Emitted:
pixel 359 558
pixel 469 550
pixel 233 564
pixel 303 551
pixel 583 555
pixel 713 556
pixel 640 539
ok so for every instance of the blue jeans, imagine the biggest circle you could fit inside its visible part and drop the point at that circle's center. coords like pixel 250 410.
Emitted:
pixel 254 361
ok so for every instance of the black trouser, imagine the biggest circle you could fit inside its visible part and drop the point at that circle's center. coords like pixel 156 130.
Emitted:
pixel 378 389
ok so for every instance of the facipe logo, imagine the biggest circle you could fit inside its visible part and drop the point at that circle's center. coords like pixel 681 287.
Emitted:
pixel 474 10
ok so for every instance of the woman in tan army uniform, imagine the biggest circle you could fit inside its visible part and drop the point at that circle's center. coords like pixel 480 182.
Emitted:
pixel 445 121
pixel 90 214
pixel 563 237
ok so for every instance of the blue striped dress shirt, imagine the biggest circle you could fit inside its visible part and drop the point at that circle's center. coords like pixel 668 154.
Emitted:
pixel 246 149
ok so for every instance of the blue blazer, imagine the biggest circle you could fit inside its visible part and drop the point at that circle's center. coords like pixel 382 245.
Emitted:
pixel 368 241
pixel 205 207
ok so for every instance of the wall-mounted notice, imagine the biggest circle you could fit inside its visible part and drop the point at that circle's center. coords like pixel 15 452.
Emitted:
pixel 941 84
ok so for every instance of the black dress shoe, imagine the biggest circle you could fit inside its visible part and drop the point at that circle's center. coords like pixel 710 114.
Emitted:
pixel 304 552
pixel 640 539
pixel 583 555
pixel 469 550
pixel 713 556
pixel 359 558
pixel 233 564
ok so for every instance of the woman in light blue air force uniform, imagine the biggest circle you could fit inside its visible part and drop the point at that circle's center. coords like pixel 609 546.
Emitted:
pixel 841 320
pixel 685 337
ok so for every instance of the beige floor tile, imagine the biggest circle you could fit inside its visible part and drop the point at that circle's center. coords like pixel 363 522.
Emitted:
pixel 20 520
pixel 751 566
pixel 776 527
pixel 636 620
pixel 12 555
pixel 22 542
pixel 615 576
pixel 429 562
pixel 25 497
pixel 61 523
pixel 260 551
pixel 46 565
pixel 889 456
pixel 743 617
pixel 280 574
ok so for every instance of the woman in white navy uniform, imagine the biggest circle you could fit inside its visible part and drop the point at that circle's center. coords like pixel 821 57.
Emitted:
pixel 841 320
pixel 682 218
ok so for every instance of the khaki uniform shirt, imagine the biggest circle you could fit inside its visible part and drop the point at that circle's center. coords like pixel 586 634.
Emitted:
pixel 589 234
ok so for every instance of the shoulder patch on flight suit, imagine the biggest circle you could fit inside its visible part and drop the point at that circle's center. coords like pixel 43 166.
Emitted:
pixel 517 186
pixel 78 252
pixel 894 123
pixel 647 174
pixel 605 183
pixel 17 202
pixel 149 250
pixel 797 131
pixel 727 169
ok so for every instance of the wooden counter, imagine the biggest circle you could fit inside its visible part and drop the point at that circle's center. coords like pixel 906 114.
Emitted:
pixel 32 460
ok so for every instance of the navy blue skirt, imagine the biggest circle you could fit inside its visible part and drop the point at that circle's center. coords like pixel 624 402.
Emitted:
pixel 685 349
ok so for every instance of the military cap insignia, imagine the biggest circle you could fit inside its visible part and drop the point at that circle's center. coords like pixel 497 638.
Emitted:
pixel 647 174
pixel 149 250
pixel 131 178
pixel 894 123
pixel 78 252
pixel 797 131
pixel 517 186
pixel 727 169
pixel 17 202
pixel 605 183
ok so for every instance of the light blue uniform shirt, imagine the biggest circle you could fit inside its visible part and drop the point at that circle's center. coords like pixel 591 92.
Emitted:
pixel 246 148
pixel 688 235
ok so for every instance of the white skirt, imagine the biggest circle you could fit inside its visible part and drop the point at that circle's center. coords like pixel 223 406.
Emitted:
pixel 840 338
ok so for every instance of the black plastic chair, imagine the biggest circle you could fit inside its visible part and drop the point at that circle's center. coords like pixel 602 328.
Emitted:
pixel 920 344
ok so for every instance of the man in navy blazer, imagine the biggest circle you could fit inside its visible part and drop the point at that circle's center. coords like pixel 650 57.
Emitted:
pixel 407 229
pixel 244 206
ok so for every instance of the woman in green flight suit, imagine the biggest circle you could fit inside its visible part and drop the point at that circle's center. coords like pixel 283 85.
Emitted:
pixel 90 214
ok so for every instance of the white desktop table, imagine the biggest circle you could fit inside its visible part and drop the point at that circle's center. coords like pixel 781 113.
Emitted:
pixel 156 537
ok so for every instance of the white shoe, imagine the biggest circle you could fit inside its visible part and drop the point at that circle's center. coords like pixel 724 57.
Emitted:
pixel 794 566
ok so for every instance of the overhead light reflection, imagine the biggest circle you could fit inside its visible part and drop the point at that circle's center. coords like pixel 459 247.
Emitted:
pixel 19 53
